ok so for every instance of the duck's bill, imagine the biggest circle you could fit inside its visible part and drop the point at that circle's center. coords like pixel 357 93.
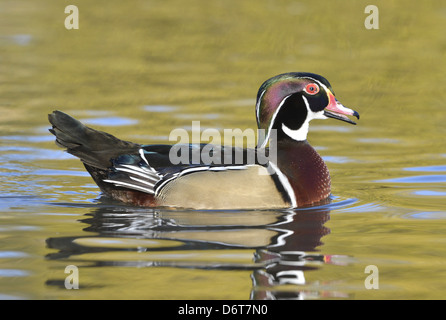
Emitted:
pixel 337 111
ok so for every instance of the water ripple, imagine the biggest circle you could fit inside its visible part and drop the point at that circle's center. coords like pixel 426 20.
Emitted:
pixel 337 159
pixel 13 273
pixel 159 108
pixel 429 193
pixel 110 121
pixel 426 215
pixel 12 254
pixel 17 153
pixel 418 179
pixel 428 169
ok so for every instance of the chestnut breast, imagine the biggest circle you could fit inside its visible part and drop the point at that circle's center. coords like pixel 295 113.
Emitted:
pixel 306 171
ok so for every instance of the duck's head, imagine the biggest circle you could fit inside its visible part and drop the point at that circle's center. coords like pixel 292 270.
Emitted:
pixel 289 101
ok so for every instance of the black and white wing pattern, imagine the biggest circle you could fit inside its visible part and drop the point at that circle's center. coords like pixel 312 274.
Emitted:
pixel 156 165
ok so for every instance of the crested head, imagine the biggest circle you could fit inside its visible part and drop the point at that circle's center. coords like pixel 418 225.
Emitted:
pixel 289 101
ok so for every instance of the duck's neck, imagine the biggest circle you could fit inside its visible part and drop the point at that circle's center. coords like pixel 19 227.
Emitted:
pixel 305 170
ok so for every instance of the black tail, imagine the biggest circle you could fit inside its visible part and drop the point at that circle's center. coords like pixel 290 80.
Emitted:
pixel 95 148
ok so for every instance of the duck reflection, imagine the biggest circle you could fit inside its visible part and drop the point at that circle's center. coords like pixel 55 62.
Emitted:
pixel 280 247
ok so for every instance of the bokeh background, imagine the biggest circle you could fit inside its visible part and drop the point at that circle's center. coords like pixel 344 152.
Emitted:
pixel 142 68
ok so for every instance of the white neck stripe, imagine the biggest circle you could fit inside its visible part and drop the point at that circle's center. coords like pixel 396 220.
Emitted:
pixel 286 185
pixel 301 133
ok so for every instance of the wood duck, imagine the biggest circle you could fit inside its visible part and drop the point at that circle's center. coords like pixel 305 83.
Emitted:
pixel 145 175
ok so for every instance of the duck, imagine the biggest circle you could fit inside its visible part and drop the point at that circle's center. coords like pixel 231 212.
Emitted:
pixel 282 171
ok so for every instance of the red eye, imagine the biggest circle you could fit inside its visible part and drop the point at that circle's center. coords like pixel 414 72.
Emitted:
pixel 312 88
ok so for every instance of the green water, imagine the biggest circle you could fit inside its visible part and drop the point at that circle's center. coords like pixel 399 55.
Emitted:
pixel 140 70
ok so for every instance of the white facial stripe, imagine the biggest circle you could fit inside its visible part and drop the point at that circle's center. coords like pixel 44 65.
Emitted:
pixel 325 87
pixel 274 119
pixel 301 133
pixel 258 106
pixel 321 84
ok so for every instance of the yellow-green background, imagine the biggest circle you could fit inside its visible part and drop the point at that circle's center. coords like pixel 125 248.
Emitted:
pixel 204 60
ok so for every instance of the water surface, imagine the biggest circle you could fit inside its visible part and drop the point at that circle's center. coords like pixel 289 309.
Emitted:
pixel 140 71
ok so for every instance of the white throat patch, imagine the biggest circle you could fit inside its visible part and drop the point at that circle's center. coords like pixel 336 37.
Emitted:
pixel 301 133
